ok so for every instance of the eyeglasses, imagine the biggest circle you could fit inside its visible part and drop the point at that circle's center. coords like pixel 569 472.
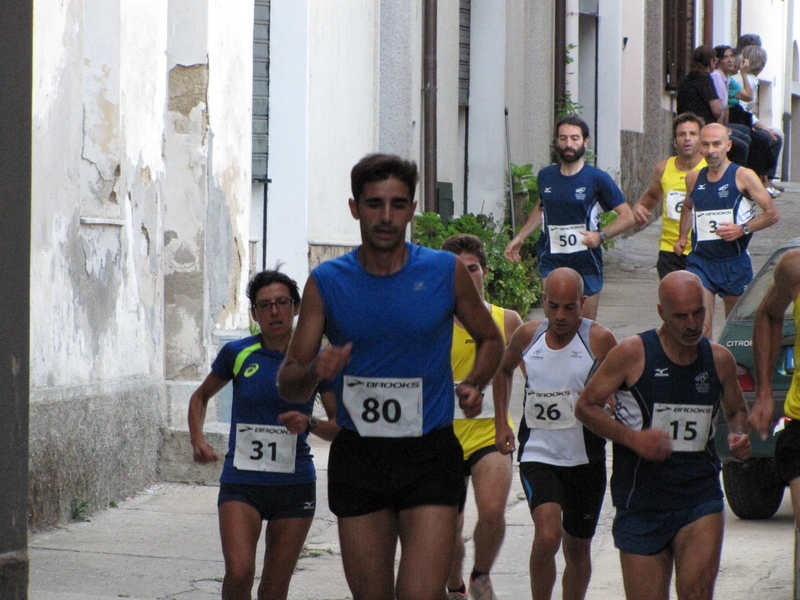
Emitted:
pixel 263 306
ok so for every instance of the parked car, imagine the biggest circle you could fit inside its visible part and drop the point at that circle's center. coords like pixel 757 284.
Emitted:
pixel 752 487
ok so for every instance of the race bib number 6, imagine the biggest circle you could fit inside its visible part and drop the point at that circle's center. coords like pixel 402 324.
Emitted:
pixel 708 221
pixel 384 406
pixel 674 204
pixel 566 239
pixel 687 424
pixel 268 448
pixel 549 410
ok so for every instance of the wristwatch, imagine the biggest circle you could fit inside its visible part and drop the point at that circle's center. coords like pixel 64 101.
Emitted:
pixel 603 235
pixel 312 423
pixel 745 230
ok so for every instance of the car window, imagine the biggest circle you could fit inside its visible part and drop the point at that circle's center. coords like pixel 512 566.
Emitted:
pixel 745 309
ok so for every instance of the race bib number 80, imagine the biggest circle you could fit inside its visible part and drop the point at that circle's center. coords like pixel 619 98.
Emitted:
pixel 384 406
pixel 268 448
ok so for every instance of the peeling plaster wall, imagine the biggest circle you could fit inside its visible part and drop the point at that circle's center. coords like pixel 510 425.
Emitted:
pixel 139 228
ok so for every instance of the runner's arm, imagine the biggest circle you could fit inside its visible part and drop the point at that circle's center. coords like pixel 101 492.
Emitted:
pixel 198 403
pixel 533 223
pixel 732 403
pixel 297 422
pixel 686 215
pixel 651 197
pixel 767 333
pixel 472 314
pixel 504 435
pixel 749 182
pixel 305 366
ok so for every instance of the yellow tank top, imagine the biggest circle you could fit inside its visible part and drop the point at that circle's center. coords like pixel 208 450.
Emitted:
pixel 462 353
pixel 792 404
pixel 673 183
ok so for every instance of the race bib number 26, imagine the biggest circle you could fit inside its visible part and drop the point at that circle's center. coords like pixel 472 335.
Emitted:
pixel 384 406
pixel 549 410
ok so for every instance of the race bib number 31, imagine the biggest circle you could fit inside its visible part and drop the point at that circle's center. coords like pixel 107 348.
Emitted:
pixel 566 239
pixel 268 448
pixel 549 410
pixel 687 424
pixel 384 406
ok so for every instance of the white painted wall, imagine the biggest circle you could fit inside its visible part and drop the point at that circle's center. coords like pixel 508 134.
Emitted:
pixel 486 184
pixel 632 63
pixel 449 150
pixel 609 88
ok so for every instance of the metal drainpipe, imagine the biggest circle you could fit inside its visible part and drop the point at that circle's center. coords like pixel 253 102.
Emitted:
pixel 429 106
pixel 787 119
pixel 708 22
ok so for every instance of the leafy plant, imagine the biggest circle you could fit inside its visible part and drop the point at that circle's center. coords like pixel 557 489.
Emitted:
pixel 80 510
pixel 525 180
pixel 511 285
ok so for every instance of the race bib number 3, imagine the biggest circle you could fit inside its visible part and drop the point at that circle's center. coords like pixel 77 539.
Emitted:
pixel 687 424
pixel 384 406
pixel 674 204
pixel 550 410
pixel 269 448
pixel 708 221
pixel 487 408
pixel 566 239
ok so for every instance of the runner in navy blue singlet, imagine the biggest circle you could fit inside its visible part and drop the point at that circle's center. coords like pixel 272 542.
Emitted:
pixel 720 209
pixel 572 198
pixel 668 384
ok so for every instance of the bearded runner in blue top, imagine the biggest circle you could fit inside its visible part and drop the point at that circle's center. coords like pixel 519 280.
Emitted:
pixel 268 473
pixel 720 208
pixel 387 308
pixel 572 198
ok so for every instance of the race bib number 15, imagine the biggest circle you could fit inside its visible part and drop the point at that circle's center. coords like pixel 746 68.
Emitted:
pixel 384 406
pixel 687 424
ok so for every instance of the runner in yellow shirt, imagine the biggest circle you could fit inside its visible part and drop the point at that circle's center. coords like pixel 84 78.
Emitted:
pixel 487 440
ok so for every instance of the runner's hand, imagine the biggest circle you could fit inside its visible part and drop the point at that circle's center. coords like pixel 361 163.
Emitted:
pixel 331 360
pixel 760 418
pixel 512 250
pixel 739 445
pixel 680 247
pixel 504 438
pixel 640 214
pixel 591 239
pixel 295 422
pixel 203 452
pixel 729 231
pixel 653 444
pixel 470 399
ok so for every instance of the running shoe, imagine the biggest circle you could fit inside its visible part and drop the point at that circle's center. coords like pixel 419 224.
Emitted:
pixel 773 192
pixel 481 588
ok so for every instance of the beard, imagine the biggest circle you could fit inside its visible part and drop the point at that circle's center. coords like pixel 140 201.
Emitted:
pixel 566 158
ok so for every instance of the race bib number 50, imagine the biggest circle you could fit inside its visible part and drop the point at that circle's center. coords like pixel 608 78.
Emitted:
pixel 268 448
pixel 566 239
pixel 384 406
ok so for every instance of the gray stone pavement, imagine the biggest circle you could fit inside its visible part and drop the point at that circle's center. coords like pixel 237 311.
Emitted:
pixel 164 543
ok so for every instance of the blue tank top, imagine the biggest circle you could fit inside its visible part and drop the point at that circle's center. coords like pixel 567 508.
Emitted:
pixel 689 395
pixel 401 325
pixel 571 202
pixel 719 202
pixel 256 400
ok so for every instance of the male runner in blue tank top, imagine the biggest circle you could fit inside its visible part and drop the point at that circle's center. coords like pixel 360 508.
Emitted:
pixel 720 209
pixel 387 308
pixel 572 198
pixel 665 482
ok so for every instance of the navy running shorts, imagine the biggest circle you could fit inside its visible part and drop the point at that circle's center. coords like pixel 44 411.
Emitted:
pixel 728 277
pixel 297 501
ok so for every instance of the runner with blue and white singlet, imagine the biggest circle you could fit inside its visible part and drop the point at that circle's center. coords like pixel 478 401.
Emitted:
pixel 720 209
pixel 572 198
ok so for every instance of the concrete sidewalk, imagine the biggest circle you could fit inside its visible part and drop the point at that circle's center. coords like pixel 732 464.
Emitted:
pixel 164 543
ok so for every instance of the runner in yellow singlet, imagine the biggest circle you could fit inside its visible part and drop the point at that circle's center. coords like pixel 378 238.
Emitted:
pixel 487 440
pixel 668 186
pixel 767 337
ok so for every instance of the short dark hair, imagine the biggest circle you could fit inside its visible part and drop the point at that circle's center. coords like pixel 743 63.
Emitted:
pixel 265 278
pixel 701 58
pixel 687 117
pixel 377 167
pixel 748 39
pixel 721 50
pixel 574 120
pixel 465 243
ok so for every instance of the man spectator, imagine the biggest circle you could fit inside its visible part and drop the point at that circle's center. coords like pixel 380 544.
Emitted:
pixel 572 198
pixel 487 439
pixel 562 465
pixel 665 483
pixel 668 186
pixel 720 209
pixel 387 308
